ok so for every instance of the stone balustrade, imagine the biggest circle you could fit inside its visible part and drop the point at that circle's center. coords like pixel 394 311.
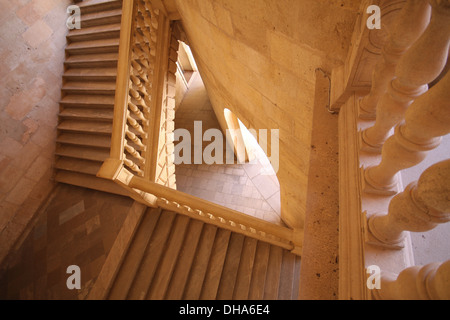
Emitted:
pixel 426 120
pixel 411 23
pixel 410 93
pixel 420 65
pixel 429 282
pixel 420 207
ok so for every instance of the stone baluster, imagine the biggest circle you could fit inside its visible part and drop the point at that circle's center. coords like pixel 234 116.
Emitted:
pixel 139 71
pixel 420 65
pixel 132 151
pixel 411 23
pixel 144 102
pixel 138 113
pixel 421 207
pixel 429 282
pixel 133 166
pixel 426 120
pixel 139 85
pixel 135 138
pixel 135 124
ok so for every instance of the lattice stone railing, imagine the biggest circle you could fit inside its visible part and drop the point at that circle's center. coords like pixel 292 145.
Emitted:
pixel 144 100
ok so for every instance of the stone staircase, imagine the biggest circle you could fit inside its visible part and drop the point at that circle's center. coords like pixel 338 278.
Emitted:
pixel 87 104
pixel 174 257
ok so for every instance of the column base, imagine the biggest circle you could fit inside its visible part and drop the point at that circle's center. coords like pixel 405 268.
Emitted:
pixel 364 146
pixel 365 115
pixel 371 237
pixel 372 188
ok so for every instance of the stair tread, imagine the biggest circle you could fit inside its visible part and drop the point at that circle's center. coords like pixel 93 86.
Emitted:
pixel 111 72
pixel 91 44
pixel 100 127
pixel 184 262
pixel 286 281
pixel 94 30
pixel 134 256
pixel 101 14
pixel 86 153
pixel 93 57
pixel 244 276
pixel 90 84
pixel 90 87
pixel 89 182
pixel 163 274
pixel 78 165
pixel 296 280
pixel 84 139
pixel 88 100
pixel 215 266
pixel 101 17
pixel 230 267
pixel 273 273
pixel 88 113
pixel 258 280
pixel 91 74
pixel 88 6
pixel 199 266
pixel 152 257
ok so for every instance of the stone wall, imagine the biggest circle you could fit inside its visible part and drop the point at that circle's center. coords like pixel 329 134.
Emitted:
pixel 31 57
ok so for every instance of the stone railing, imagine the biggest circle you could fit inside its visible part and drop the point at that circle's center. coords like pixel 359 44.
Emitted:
pixel 220 216
pixel 141 158
pixel 144 100
pixel 156 195
pixel 391 129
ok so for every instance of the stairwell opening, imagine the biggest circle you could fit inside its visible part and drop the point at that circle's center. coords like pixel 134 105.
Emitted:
pixel 245 186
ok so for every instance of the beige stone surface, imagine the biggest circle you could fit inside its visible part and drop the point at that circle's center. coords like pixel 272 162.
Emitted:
pixel 32 56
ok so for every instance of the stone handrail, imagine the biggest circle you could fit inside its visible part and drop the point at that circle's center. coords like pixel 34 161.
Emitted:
pixel 156 195
pixel 220 216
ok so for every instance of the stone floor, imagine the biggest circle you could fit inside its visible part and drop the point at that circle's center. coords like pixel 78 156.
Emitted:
pixel 32 56
pixel 77 226
pixel 232 187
